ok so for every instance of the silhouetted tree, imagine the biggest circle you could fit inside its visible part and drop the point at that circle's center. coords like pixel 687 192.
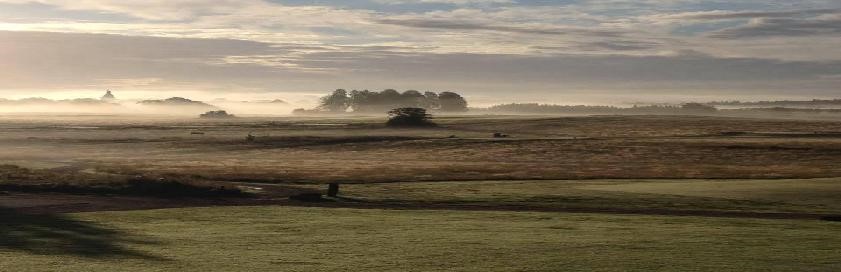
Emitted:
pixel 336 102
pixel 216 114
pixel 452 102
pixel 409 117
pixel 430 101
pixel 360 100
pixel 698 107
pixel 369 101
pixel 389 97
pixel 411 98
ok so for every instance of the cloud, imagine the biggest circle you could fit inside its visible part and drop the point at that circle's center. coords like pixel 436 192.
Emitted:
pixel 161 67
pixel 730 15
pixel 455 2
pixel 610 45
pixel 782 27
pixel 619 45
pixel 468 44
pixel 148 9
pixel 465 25
pixel 528 27
pixel 613 69
pixel 69 60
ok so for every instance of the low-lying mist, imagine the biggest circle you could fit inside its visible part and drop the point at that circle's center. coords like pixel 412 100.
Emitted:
pixel 135 108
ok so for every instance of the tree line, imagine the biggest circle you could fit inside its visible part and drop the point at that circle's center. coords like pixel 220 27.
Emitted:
pixel 377 102
pixel 535 108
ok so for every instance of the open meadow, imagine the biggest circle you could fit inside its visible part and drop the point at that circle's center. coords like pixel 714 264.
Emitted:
pixel 420 135
pixel 607 193
pixel 364 150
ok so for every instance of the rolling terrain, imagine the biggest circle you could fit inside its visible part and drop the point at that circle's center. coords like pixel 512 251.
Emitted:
pixel 624 193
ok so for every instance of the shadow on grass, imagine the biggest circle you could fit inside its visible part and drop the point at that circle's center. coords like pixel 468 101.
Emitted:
pixel 57 234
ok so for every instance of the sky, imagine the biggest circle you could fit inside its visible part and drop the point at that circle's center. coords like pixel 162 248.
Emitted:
pixel 492 51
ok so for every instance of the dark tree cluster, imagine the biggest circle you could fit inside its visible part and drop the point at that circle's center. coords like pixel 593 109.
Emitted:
pixel 370 101
pixel 697 107
pixel 409 117
pixel 779 103
pixel 216 114
pixel 534 108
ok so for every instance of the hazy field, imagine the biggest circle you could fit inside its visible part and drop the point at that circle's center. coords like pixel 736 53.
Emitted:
pixel 561 193
pixel 363 150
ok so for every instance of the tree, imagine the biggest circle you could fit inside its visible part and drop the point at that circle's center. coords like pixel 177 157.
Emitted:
pixel 698 107
pixel 366 101
pixel 430 101
pixel 216 114
pixel 389 98
pixel 338 101
pixel 409 117
pixel 411 98
pixel 452 102
pixel 359 100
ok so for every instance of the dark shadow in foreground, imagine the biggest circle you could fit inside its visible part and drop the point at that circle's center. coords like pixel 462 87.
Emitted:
pixel 57 234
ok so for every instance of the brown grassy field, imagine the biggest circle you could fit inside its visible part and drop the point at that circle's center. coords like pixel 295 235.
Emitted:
pixel 363 150
pixel 290 156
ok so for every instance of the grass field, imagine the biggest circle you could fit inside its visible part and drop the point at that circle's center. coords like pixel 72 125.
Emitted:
pixel 363 150
pixel 319 239
pixel 598 193
pixel 797 196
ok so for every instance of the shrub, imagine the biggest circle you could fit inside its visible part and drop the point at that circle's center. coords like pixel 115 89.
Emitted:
pixel 698 107
pixel 216 114
pixel 409 117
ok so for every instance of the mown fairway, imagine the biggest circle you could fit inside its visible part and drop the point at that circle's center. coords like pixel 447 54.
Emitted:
pixel 319 239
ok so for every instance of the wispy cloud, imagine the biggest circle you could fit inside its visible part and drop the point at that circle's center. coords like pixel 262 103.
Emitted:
pixel 457 2
pixel 783 27
pixel 471 26
pixel 729 15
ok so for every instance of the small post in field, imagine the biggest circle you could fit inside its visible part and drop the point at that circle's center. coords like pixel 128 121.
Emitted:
pixel 333 190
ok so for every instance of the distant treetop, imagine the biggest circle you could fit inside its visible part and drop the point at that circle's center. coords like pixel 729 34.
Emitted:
pixel 178 101
pixel 108 96
pixel 216 114
pixel 371 101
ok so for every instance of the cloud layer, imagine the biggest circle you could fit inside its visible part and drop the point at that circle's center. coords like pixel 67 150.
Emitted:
pixel 481 47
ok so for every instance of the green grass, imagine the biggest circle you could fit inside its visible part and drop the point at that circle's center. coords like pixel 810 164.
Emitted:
pixel 795 195
pixel 815 194
pixel 322 239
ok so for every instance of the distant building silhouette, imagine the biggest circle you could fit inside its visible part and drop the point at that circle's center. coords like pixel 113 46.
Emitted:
pixel 108 96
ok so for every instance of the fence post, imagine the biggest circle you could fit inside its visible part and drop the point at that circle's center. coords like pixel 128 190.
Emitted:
pixel 333 190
